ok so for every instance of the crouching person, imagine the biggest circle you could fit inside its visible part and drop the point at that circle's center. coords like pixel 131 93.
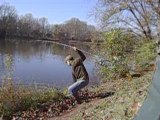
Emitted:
pixel 79 74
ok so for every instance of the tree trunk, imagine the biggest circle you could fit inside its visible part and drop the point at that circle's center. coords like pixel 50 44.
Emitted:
pixel 3 33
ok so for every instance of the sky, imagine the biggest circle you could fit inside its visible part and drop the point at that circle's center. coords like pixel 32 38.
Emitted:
pixel 57 11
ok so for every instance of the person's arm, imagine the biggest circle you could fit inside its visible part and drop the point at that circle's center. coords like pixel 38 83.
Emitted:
pixel 82 56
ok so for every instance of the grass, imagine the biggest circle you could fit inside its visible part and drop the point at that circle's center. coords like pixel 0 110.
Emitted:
pixel 17 99
pixel 120 105
pixel 115 107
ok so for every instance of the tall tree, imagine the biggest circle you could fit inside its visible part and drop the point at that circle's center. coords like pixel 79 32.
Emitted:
pixel 79 30
pixel 43 23
pixel 8 20
pixel 136 15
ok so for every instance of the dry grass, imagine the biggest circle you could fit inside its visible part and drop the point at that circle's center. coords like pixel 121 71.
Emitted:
pixel 20 98
pixel 123 105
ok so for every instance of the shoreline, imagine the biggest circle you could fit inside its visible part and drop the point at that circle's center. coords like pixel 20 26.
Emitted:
pixel 68 41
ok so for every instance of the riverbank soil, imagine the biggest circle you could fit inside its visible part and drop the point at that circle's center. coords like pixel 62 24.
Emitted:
pixel 122 105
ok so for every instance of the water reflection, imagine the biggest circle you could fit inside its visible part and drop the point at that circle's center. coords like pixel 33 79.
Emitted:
pixel 40 62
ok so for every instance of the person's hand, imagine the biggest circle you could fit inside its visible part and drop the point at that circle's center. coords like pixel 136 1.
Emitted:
pixel 74 48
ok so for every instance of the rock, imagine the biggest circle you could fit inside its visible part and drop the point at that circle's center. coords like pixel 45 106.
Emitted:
pixel 135 107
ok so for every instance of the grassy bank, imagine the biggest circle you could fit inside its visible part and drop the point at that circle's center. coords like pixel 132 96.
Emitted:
pixel 120 106
pixel 20 102
pixel 16 99
pixel 128 76
pixel 28 103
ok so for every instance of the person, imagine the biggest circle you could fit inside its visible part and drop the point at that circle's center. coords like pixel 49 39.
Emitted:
pixel 79 74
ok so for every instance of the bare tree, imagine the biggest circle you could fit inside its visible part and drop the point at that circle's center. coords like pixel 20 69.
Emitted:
pixel 43 23
pixel 136 15
pixel 155 4
pixel 57 32
pixel 26 23
pixel 27 26
pixel 31 27
pixel 78 30
pixel 8 19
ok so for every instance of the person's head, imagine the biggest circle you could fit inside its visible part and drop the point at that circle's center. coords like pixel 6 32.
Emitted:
pixel 69 60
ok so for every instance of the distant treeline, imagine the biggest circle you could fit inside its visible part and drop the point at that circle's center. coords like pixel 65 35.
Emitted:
pixel 13 25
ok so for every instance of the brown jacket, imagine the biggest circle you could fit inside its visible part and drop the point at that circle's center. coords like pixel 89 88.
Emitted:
pixel 78 69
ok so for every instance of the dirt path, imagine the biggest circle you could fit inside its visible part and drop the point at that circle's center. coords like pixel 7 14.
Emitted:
pixel 79 109
pixel 82 108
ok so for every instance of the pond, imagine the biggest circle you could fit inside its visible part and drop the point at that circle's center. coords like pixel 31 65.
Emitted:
pixel 32 62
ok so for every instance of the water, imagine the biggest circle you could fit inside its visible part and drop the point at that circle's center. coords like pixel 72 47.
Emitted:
pixel 41 63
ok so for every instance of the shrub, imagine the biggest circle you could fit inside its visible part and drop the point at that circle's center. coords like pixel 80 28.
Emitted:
pixel 118 48
pixel 126 52
pixel 146 53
